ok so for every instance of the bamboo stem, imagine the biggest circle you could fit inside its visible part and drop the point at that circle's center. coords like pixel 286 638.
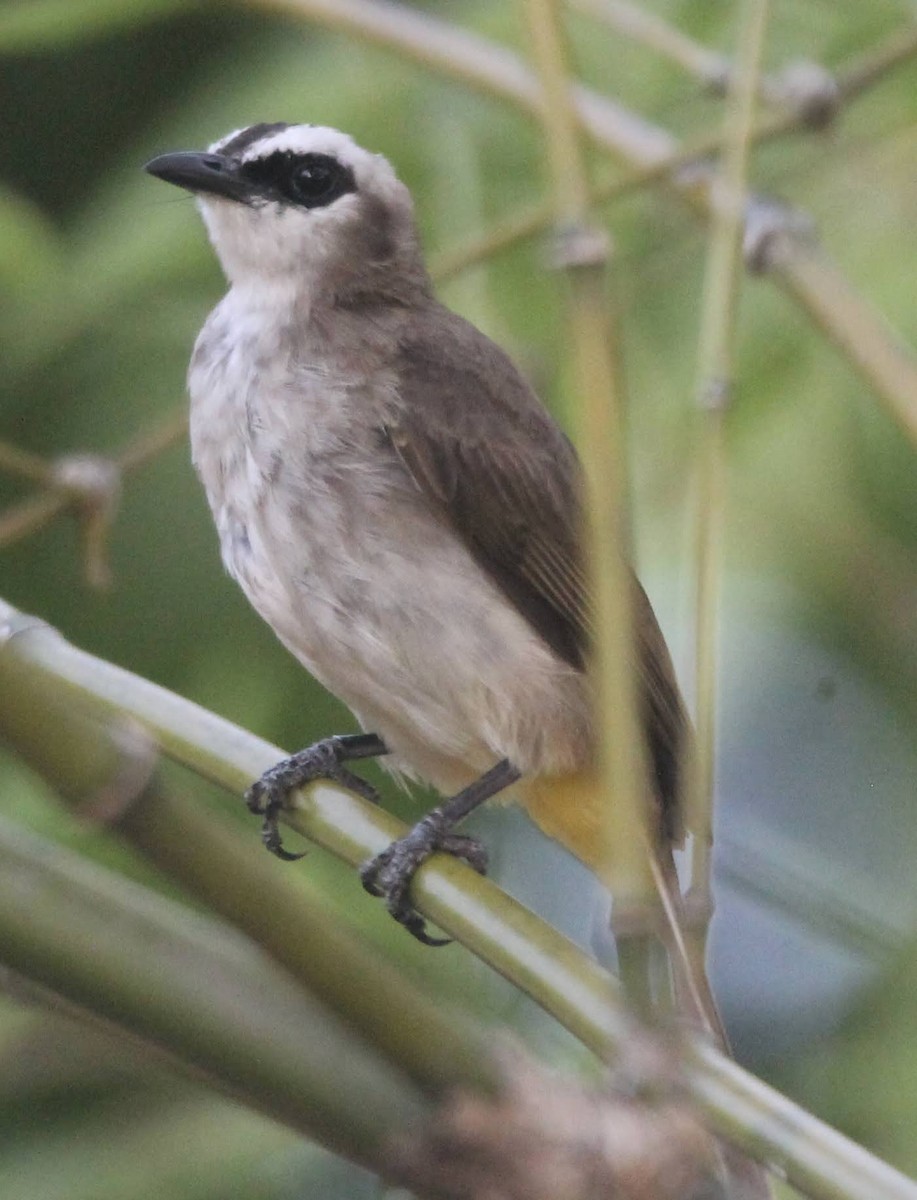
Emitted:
pixel 855 77
pixel 599 418
pixel 479 64
pixel 524 949
pixel 716 384
pixel 186 984
pixel 652 31
pixel 114 768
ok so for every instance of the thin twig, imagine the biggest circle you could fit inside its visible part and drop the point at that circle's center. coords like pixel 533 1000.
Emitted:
pixel 30 515
pixel 16 461
pixel 146 446
pixel 35 512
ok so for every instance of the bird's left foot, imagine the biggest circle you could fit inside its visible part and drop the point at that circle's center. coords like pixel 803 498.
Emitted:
pixel 390 873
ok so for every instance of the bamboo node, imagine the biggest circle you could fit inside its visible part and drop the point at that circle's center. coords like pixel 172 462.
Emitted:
pixel 578 244
pixel 771 229
pixel 13 623
pixel 716 77
pixel 93 481
pixel 94 486
pixel 545 1138
pixel 716 395
pixel 138 755
pixel 811 91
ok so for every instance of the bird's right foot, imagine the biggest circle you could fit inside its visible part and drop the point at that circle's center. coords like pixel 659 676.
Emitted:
pixel 267 796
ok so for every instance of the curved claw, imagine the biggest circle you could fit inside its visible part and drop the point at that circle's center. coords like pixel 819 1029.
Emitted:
pixel 390 873
pixel 417 928
pixel 267 795
pixel 270 836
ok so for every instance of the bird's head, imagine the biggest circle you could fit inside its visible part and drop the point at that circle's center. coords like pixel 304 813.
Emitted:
pixel 301 205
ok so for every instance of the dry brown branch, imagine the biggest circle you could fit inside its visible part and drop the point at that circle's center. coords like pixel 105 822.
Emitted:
pixel 547 1138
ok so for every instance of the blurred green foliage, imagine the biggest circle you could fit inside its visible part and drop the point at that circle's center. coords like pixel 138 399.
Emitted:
pixel 106 277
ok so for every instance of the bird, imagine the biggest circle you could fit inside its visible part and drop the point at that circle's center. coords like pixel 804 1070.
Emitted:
pixel 402 509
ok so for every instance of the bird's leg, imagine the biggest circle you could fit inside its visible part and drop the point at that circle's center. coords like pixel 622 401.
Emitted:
pixel 325 760
pixel 389 874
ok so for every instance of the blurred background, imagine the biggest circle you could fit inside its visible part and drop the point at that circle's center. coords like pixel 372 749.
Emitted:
pixel 106 278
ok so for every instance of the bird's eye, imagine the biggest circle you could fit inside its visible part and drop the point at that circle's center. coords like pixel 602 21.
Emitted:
pixel 318 179
pixel 311 181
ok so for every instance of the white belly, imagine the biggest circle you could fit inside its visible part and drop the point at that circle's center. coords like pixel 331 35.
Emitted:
pixel 337 550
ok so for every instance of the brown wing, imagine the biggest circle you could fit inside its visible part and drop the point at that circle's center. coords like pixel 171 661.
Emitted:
pixel 483 449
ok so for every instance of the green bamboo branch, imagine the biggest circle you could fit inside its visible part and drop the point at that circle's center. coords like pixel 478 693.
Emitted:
pixel 855 328
pixel 806 87
pixel 477 63
pixel 888 368
pixel 582 254
pixel 524 949
pixel 716 384
pixel 856 76
pixel 715 387
pixel 114 767
pixel 196 992
pixel 650 30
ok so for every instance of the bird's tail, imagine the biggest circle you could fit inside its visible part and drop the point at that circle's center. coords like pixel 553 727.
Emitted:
pixel 570 810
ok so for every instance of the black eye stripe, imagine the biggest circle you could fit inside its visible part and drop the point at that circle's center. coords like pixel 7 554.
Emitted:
pixel 307 180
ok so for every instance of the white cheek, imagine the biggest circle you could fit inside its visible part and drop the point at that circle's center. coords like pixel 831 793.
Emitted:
pixel 270 241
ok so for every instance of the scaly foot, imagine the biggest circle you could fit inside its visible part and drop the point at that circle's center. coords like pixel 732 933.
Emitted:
pixel 267 796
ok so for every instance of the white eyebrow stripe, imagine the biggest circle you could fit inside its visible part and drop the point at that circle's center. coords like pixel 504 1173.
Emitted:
pixel 305 139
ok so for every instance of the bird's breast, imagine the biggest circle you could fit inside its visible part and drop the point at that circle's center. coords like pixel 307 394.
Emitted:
pixel 337 549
